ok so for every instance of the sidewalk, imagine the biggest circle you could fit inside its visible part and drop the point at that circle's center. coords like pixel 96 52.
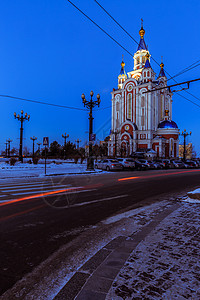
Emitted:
pixel 161 260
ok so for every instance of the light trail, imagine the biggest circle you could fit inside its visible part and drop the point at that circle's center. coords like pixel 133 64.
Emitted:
pixel 38 196
pixel 21 213
pixel 158 175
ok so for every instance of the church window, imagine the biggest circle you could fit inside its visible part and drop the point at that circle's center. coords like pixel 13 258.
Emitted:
pixel 143 59
pixel 148 73
pixel 161 106
pixel 129 106
pixel 138 60
pixel 117 106
pixel 144 74
pixel 142 101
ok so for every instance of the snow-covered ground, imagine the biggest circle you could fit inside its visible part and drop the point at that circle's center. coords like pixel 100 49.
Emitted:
pixel 30 170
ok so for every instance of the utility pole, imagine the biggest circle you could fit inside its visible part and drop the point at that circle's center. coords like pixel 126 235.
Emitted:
pixel 33 139
pixel 9 141
pixel 185 134
pixel 115 132
pixel 21 118
pixel 90 105
pixel 6 154
pixel 65 136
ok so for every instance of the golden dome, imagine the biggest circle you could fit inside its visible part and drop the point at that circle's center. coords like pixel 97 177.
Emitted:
pixel 162 65
pixel 142 32
pixel 122 64
pixel 147 55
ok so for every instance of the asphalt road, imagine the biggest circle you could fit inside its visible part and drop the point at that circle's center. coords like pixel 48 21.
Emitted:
pixel 39 216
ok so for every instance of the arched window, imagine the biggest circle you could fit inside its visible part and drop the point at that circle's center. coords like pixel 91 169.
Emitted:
pixel 148 74
pixel 129 107
pixel 138 60
pixel 117 106
pixel 143 59
pixel 142 101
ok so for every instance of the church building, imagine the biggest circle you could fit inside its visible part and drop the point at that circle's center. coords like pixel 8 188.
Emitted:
pixel 142 120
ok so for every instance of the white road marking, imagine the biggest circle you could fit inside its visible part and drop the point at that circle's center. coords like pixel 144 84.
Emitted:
pixel 99 200
pixel 38 191
pixel 34 188
pixel 31 183
pixel 24 186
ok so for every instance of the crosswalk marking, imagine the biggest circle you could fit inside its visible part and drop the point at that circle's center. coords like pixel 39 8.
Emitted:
pixel 33 188
pixel 30 193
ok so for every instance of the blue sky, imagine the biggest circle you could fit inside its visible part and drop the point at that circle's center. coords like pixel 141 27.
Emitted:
pixel 50 52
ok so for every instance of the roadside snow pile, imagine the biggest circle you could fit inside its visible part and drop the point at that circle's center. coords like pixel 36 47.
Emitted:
pixel 192 197
pixel 31 170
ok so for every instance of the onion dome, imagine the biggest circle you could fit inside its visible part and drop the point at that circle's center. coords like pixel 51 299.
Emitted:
pixel 122 72
pixel 142 45
pixel 162 72
pixel 167 124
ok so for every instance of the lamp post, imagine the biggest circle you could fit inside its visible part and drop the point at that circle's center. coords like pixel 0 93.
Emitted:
pixel 8 141
pixel 90 105
pixel 21 118
pixel 39 144
pixel 65 136
pixel 77 141
pixel 185 134
pixel 115 132
pixel 6 154
pixel 33 139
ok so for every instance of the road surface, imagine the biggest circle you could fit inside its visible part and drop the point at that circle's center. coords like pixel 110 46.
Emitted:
pixel 38 216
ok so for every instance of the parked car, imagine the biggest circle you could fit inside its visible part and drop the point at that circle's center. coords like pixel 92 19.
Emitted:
pixel 157 165
pixel 149 163
pixel 178 164
pixel 191 163
pixel 140 166
pixel 111 165
pixel 98 164
pixel 128 163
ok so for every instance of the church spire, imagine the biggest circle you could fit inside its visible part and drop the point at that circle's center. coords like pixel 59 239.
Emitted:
pixel 142 45
pixel 122 76
pixel 162 72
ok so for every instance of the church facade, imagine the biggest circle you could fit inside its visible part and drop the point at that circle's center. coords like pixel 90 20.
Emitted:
pixel 142 118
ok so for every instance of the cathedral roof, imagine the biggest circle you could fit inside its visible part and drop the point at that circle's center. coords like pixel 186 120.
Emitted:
pixel 147 64
pixel 162 72
pixel 167 124
pixel 142 45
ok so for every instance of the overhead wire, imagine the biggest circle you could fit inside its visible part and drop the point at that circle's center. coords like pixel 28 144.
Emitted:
pixel 41 102
pixel 138 44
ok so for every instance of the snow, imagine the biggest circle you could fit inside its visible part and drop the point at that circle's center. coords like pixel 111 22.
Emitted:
pixel 54 167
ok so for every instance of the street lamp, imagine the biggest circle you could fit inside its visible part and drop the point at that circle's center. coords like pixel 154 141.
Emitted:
pixel 65 136
pixel 33 139
pixel 9 141
pixel 21 118
pixel 39 144
pixel 185 134
pixel 115 132
pixel 90 105
pixel 77 141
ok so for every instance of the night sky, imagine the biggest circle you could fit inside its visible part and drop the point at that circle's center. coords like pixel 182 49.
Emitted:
pixel 50 52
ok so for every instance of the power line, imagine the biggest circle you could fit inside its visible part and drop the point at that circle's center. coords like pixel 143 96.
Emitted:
pixel 186 69
pixel 41 102
pixel 100 28
pixel 138 44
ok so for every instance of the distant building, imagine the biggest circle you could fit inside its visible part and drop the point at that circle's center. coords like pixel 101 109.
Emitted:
pixel 189 151
pixel 142 120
